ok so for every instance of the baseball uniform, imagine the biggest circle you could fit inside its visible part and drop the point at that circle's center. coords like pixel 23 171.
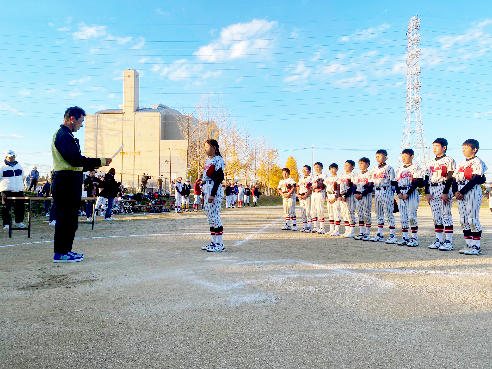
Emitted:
pixel 333 204
pixel 179 196
pixel 318 202
pixel 347 202
pixel 284 186
pixel 240 196
pixel 382 176
pixel 304 186
pixel 364 186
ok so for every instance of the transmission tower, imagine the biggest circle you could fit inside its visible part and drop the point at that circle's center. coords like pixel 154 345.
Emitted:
pixel 413 130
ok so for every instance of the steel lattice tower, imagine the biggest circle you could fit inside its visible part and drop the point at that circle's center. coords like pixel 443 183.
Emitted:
pixel 413 130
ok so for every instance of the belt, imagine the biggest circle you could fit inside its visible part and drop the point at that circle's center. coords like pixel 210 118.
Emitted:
pixel 382 188
pixel 437 184
pixel 403 187
pixel 462 183
pixel 330 192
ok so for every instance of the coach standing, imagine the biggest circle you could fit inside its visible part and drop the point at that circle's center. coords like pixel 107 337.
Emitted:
pixel 69 165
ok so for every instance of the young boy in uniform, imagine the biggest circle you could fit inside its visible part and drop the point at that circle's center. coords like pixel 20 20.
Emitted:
pixel 333 200
pixel 347 199
pixel 438 181
pixel 363 195
pixel 318 199
pixel 305 189
pixel 468 177
pixel 287 189
pixel 382 177
pixel 408 179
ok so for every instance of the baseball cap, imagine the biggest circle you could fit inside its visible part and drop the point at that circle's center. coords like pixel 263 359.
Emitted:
pixel 9 153
pixel 441 141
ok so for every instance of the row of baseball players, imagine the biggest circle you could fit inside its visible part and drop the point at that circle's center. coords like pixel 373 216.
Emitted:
pixel 348 193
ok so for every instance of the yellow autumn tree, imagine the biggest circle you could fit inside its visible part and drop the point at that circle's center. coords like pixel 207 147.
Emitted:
pixel 292 165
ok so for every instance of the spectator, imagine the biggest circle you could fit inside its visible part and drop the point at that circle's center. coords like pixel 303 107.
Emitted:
pixel 91 186
pixel 34 179
pixel 256 195
pixel 67 183
pixel 11 186
pixel 27 182
pixel 110 191
pixel 143 183
pixel 247 194
pixel 159 185
pixel 46 192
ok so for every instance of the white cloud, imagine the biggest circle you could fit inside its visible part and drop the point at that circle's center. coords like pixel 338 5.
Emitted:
pixel 299 74
pixel 79 81
pixel 25 92
pixel 88 32
pixel 485 113
pixel 139 44
pixel 12 136
pixel 162 12
pixel 484 23
pixel 74 93
pixel 365 34
pixel 334 68
pixel 358 80
pixel 9 109
pixel 112 96
pixel 64 29
pixel 239 40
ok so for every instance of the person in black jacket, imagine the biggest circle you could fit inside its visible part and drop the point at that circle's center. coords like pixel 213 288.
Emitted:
pixel 110 191
pixel 69 165
pixel 91 186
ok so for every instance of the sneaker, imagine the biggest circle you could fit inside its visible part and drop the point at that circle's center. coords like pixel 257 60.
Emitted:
pixel 6 226
pixel 89 219
pixel 217 247
pixel 360 236
pixel 413 242
pixel 286 228
pixel 435 245
pixel 446 246
pixel 211 244
pixel 314 230
pixel 348 235
pixel 307 230
pixel 66 258
pixel 392 240
pixel 474 250
pixel 294 228
pixel 335 234
pixel 47 215
pixel 465 249
pixel 110 218
pixel 403 242
pixel 53 223
pixel 76 254
pixel 366 237
pixel 377 238
pixel 20 225
pixel 321 231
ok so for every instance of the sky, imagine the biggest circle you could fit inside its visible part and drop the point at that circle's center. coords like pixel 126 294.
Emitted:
pixel 328 75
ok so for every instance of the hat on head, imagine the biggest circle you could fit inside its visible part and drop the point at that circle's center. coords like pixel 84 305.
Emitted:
pixel 9 153
pixel 187 179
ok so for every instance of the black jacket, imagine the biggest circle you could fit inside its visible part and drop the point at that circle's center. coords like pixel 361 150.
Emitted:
pixel 110 187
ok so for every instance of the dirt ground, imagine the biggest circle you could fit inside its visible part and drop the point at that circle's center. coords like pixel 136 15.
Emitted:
pixel 146 296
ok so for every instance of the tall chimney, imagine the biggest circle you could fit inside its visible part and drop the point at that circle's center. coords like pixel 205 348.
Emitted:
pixel 130 90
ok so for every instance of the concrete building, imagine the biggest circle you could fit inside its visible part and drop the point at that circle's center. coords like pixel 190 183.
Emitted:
pixel 151 137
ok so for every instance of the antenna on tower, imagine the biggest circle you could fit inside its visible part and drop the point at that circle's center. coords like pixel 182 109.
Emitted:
pixel 413 130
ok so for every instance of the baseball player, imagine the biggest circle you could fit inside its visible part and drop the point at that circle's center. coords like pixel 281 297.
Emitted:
pixel 318 199
pixel 438 181
pixel 213 175
pixel 347 199
pixel 287 189
pixel 333 200
pixel 240 196
pixel 179 195
pixel 247 195
pixel 469 175
pixel 197 190
pixel 382 177
pixel 363 196
pixel 186 191
pixel 305 186
pixel 408 178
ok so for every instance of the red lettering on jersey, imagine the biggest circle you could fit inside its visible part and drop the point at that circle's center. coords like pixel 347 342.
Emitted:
pixel 405 175
pixel 379 175
pixel 443 168
pixel 363 180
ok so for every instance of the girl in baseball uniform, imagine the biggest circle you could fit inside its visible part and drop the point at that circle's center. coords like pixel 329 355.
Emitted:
pixel 213 175
pixel 318 199
pixel 438 180
pixel 363 196
pixel 383 177
pixel 287 189
pixel 333 200
pixel 347 199
pixel 409 177
pixel 469 175
pixel 305 187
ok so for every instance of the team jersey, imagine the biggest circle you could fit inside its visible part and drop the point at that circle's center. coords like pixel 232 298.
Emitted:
pixel 361 180
pixel 382 176
pixel 179 187
pixel 437 169
pixel 407 174
pixel 212 165
pixel 286 184
pixel 344 180
pixel 319 182
pixel 467 168
pixel 305 184
pixel 332 185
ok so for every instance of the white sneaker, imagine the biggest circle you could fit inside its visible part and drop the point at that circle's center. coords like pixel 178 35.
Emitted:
pixel 307 230
pixel 474 250
pixel 464 249
pixel 321 231
pixel 335 234
pixel 413 242
pixel 211 244
pixel 89 219
pixel 349 235
pixel 47 215
pixel 286 228
pixel 377 238
pixel 53 223
pixel 446 246
pixel 20 225
pixel 217 247
pixel 6 226
pixel 294 228
pixel 360 236
pixel 111 218
pixel 314 230
pixel 435 245
pixel 392 240
pixel 367 237
pixel 403 242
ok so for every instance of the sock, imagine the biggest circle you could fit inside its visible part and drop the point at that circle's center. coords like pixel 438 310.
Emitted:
pixel 214 237
pixel 392 231
pixel 322 224
pixel 449 233
pixel 337 226
pixel 368 228
pixel 315 223
pixel 439 230
pixel 304 225
pixel 347 226
pixel 361 227
pixel 218 237
pixel 404 233
pixel 414 233
pixel 380 229
pixel 476 238
pixel 287 221
pixel 294 221
pixel 309 223
pixel 332 225
pixel 352 228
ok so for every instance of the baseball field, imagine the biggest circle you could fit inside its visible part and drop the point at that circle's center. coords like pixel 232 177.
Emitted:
pixel 146 296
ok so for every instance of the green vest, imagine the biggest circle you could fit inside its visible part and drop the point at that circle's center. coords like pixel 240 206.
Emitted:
pixel 58 162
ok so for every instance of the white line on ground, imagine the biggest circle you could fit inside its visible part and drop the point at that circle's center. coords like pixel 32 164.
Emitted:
pixel 254 235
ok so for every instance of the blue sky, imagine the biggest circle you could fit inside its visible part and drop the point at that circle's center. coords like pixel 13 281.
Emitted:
pixel 325 73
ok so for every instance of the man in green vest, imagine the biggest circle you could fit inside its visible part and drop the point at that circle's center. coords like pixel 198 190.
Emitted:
pixel 69 164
